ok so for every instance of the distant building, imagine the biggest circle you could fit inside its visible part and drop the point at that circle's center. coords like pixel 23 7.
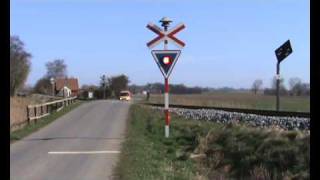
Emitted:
pixel 67 87
pixel 64 92
pixel 90 95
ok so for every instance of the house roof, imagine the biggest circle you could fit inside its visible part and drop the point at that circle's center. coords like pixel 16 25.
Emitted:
pixel 71 83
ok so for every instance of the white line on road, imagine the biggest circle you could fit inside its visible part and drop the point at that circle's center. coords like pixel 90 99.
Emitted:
pixel 85 152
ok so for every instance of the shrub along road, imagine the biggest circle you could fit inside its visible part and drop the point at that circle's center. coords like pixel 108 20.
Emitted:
pixel 83 144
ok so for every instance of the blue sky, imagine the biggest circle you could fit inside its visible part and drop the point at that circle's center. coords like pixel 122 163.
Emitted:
pixel 228 43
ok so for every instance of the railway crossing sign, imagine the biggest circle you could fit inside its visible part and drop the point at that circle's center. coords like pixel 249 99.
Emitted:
pixel 164 35
pixel 166 59
pixel 283 51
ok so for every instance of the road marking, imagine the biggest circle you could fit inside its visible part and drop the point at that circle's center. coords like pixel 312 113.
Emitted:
pixel 85 152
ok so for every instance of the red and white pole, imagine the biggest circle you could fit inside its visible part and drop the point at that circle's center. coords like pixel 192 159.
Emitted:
pixel 166 107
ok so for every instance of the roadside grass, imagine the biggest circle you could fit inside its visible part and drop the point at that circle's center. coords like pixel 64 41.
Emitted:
pixel 207 150
pixel 32 127
pixel 237 100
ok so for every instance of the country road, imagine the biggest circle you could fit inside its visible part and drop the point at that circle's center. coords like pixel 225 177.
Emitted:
pixel 83 144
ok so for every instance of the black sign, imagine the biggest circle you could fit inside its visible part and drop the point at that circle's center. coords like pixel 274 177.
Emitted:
pixel 283 51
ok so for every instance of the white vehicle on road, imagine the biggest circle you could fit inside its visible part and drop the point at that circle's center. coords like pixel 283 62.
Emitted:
pixel 125 95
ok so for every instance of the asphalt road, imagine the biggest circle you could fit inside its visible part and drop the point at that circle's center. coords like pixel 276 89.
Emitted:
pixel 83 144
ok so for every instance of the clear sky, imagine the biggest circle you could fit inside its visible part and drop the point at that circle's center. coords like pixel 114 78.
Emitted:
pixel 228 42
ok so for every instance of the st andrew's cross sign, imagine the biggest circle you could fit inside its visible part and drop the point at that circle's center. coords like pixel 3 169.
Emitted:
pixel 165 35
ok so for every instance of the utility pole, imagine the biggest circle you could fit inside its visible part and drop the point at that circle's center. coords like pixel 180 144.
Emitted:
pixel 52 84
pixel 103 78
pixel 104 90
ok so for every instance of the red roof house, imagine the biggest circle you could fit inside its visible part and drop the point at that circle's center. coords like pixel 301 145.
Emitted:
pixel 71 83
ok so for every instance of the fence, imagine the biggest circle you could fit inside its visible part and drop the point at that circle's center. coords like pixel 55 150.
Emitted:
pixel 35 112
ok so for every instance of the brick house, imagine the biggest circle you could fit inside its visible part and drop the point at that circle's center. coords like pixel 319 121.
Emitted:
pixel 67 83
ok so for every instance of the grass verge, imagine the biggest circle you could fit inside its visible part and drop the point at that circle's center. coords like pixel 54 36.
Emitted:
pixel 28 129
pixel 206 150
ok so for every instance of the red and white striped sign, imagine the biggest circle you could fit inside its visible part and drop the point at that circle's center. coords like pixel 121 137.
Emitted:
pixel 165 35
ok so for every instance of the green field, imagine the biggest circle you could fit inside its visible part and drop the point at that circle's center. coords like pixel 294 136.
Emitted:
pixel 206 150
pixel 238 100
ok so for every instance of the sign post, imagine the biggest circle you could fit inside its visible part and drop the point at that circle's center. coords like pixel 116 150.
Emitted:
pixel 281 53
pixel 166 59
pixel 278 86
pixel 165 24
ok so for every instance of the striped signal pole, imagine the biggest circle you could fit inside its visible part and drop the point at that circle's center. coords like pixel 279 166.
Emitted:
pixel 165 23
pixel 166 107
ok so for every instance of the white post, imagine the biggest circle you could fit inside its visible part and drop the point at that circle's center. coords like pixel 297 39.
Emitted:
pixel 166 107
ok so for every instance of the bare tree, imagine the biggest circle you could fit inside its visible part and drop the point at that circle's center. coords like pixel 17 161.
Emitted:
pixel 295 86
pixel 305 89
pixel 19 64
pixel 256 86
pixel 43 86
pixel 282 88
pixel 56 69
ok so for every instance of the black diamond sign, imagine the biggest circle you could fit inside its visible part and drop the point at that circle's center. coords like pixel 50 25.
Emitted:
pixel 283 51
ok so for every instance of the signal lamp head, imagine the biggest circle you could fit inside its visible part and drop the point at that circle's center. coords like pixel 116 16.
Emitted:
pixel 166 60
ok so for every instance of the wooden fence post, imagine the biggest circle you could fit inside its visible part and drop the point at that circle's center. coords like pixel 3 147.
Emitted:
pixel 41 110
pixel 35 113
pixel 28 115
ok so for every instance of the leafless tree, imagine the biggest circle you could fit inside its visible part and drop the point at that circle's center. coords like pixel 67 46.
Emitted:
pixel 296 87
pixel 43 86
pixel 282 88
pixel 256 86
pixel 19 64
pixel 56 69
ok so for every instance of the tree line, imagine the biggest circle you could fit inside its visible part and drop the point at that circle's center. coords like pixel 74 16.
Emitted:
pixel 174 88
pixel 296 87
pixel 109 87
pixel 20 67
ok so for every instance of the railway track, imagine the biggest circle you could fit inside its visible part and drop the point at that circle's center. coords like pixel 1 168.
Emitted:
pixel 239 110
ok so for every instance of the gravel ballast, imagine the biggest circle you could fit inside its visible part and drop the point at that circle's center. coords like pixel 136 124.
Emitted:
pixel 253 120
